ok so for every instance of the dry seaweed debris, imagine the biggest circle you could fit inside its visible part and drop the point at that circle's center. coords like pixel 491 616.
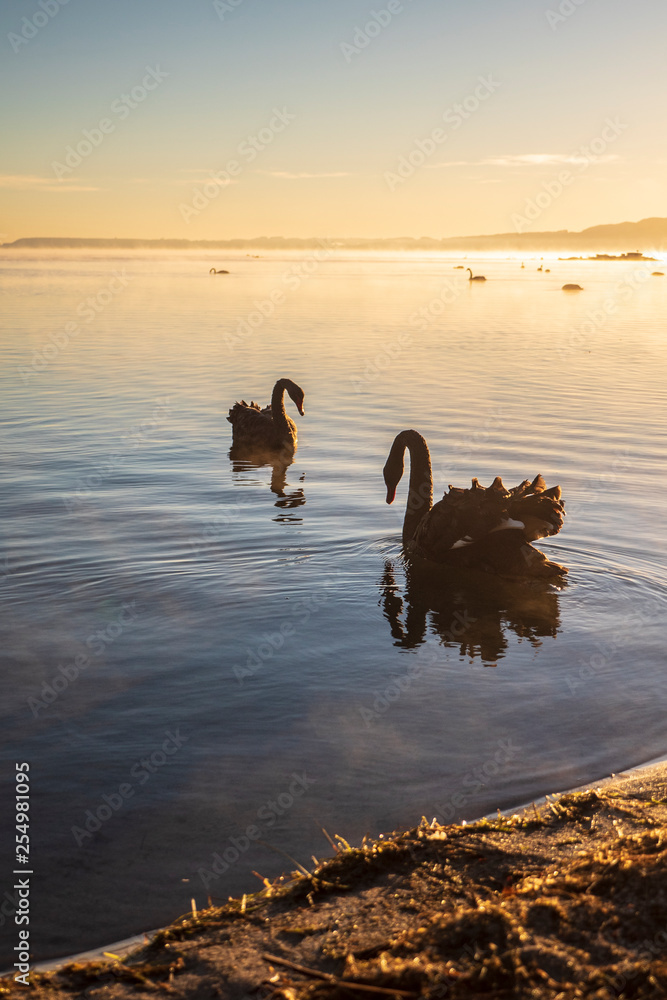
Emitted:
pixel 567 901
pixel 592 927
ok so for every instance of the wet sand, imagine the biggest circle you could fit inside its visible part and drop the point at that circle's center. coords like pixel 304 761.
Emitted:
pixel 565 898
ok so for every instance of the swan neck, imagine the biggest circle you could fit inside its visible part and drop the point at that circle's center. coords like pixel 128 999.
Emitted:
pixel 278 413
pixel 420 489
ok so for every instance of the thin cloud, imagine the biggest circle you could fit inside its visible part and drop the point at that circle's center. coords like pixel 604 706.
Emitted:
pixel 545 159
pixel 196 175
pixel 289 175
pixel 528 160
pixel 454 163
pixel 30 182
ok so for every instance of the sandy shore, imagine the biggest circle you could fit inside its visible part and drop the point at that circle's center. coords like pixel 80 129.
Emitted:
pixel 566 898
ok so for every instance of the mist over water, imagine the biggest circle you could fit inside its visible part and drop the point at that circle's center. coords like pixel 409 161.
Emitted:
pixel 206 661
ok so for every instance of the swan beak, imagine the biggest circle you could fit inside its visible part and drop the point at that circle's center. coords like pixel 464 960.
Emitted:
pixel 391 494
pixel 302 411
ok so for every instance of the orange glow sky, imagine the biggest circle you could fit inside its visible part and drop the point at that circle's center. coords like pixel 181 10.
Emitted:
pixel 404 117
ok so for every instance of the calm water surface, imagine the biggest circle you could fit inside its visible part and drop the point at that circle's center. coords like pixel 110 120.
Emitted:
pixel 205 662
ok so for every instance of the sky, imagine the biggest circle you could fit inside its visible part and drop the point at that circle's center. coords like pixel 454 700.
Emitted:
pixel 220 119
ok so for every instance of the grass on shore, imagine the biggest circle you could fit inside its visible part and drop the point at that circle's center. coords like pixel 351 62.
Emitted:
pixel 566 901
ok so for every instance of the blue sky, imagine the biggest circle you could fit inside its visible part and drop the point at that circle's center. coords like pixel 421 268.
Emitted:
pixel 364 86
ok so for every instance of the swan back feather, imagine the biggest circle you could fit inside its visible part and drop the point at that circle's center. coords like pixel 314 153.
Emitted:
pixel 466 517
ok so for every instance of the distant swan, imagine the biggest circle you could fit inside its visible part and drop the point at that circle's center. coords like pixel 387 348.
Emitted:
pixel 475 277
pixel 213 271
pixel 657 274
pixel 267 429
pixel 487 529
pixel 572 288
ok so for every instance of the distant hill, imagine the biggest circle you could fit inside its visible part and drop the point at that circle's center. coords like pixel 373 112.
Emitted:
pixel 649 234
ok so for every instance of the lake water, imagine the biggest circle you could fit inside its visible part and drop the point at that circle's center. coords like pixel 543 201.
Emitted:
pixel 249 634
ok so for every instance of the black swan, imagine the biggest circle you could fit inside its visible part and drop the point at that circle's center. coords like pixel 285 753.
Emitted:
pixel 268 429
pixel 475 277
pixel 213 271
pixel 488 529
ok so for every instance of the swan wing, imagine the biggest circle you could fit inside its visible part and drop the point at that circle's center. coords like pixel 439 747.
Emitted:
pixel 542 514
pixel 250 420
pixel 468 517
pixel 462 518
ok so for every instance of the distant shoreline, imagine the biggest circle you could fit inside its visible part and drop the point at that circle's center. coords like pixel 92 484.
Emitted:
pixel 606 256
pixel 646 235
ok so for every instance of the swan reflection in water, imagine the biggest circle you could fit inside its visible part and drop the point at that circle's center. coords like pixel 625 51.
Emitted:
pixel 472 611
pixel 245 463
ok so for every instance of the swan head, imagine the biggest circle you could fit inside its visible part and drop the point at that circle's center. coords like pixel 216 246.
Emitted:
pixel 394 466
pixel 296 394
pixel 392 473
